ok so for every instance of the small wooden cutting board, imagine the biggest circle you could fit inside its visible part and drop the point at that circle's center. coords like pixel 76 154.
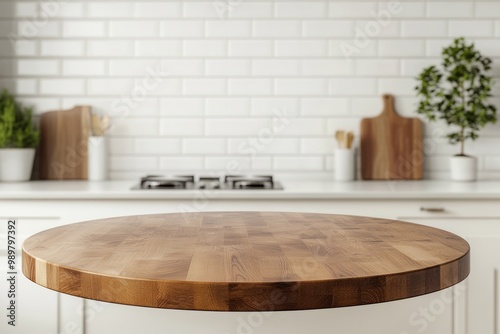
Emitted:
pixel 63 144
pixel 391 145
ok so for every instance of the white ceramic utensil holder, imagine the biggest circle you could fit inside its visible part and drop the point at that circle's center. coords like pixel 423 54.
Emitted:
pixel 345 164
pixel 97 158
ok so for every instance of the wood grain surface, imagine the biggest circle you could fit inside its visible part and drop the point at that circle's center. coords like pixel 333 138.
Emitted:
pixel 244 261
pixel 391 146
pixel 63 144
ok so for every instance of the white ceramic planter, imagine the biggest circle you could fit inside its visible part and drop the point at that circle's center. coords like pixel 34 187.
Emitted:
pixel 345 165
pixel 16 164
pixel 463 168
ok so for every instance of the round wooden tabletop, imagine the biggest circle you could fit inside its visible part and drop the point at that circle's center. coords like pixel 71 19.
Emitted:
pixel 245 261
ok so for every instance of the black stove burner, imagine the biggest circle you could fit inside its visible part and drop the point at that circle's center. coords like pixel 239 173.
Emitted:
pixel 228 182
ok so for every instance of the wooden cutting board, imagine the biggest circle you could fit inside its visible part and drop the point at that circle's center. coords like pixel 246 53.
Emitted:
pixel 391 146
pixel 63 144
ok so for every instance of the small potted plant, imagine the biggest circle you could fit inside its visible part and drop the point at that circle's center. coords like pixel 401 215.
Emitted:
pixel 18 139
pixel 458 94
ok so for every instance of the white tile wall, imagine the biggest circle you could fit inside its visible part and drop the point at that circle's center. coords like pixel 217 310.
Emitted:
pixel 263 84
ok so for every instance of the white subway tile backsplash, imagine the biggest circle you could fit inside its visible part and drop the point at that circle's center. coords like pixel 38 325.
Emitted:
pixel 195 85
pixel 84 29
pixel 450 9
pixel 236 126
pixel 9 10
pixel 359 86
pixel 487 9
pixel 106 86
pixel 300 48
pixel 204 87
pixel 300 9
pixel 204 48
pixel 294 126
pixel 262 163
pixel 84 67
pixel 181 163
pixel 119 68
pixel 347 124
pixel 397 87
pixel 246 9
pixel 327 67
pixel 203 10
pixel 275 67
pixel 314 163
pixel 203 146
pixel 106 48
pixel 41 104
pixel 323 146
pixel 182 106
pixel 183 67
pixel 133 163
pixel 324 106
pixel 251 48
pixel 228 164
pixel 228 28
pixel 349 49
pixel 366 106
pixel 66 10
pixel 110 9
pixel 300 86
pixel 250 86
pixel 424 28
pixel 134 29
pixel 181 28
pixel 62 48
pixel 413 67
pixel 274 106
pixel 62 87
pixel 326 28
pixel 401 48
pixel 17 48
pixel 404 9
pixel 352 9
pixel 277 28
pixel 377 67
pixel 158 48
pixel 37 67
pixel 179 127
pixel 29 29
pixel 157 146
pixel 227 106
pixel 471 28
pixel 269 146
pixel 227 67
pixel 157 9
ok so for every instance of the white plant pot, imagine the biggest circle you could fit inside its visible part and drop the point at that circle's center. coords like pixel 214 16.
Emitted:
pixel 463 168
pixel 16 164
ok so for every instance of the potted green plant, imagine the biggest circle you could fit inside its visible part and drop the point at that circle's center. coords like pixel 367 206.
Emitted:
pixel 18 139
pixel 458 94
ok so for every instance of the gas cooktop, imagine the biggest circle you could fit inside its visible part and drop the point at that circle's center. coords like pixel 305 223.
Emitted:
pixel 227 182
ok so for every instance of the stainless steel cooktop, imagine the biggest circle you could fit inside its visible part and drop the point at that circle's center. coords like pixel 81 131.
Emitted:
pixel 226 182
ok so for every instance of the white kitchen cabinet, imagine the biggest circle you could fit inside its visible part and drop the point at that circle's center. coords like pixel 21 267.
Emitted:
pixel 482 298
pixel 37 309
pixel 470 312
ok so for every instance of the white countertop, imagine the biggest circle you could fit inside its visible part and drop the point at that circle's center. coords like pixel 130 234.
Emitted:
pixel 84 190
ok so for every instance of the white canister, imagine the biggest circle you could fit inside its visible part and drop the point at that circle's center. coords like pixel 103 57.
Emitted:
pixel 345 164
pixel 97 158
